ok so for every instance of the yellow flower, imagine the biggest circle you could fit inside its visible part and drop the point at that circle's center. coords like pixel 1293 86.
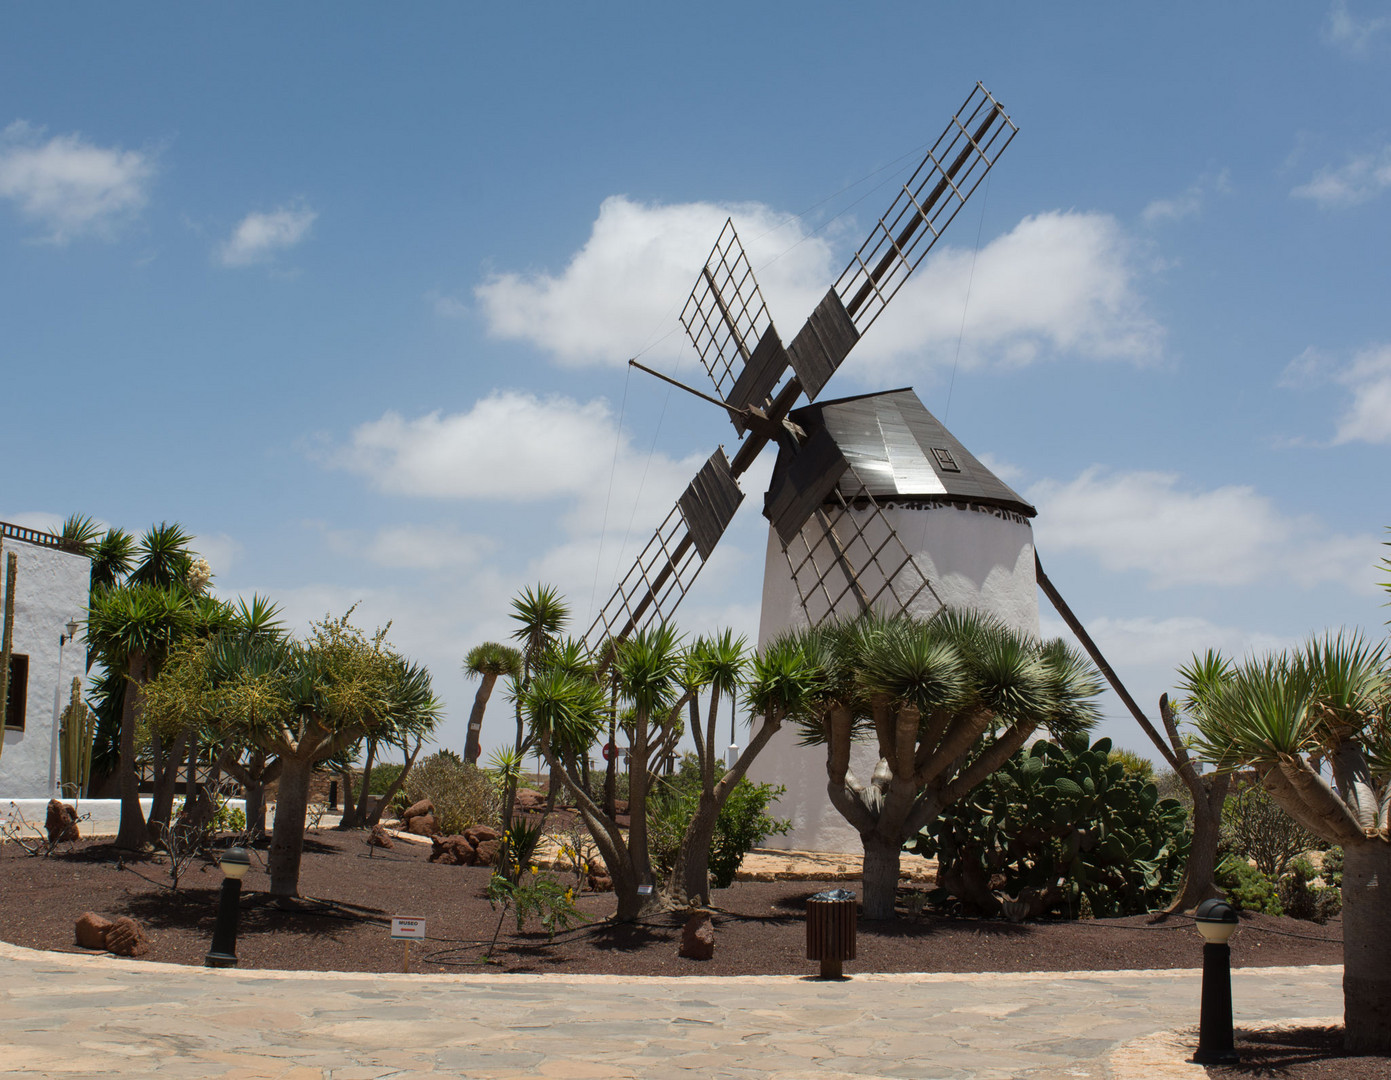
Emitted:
pixel 533 868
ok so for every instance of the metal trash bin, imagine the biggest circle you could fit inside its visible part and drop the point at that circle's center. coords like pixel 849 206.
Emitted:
pixel 831 930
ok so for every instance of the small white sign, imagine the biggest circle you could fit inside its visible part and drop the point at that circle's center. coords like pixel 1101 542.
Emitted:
pixel 407 929
pixel 644 890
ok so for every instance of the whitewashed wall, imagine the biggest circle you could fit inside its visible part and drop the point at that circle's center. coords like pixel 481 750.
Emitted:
pixel 50 590
pixel 977 558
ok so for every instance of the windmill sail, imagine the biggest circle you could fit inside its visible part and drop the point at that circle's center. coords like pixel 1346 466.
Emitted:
pixel 668 566
pixel 728 323
pixel 730 326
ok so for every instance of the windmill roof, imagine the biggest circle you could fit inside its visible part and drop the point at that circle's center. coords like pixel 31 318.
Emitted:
pixel 896 448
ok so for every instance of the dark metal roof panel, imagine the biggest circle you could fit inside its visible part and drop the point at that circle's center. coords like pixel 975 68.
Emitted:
pixel 900 450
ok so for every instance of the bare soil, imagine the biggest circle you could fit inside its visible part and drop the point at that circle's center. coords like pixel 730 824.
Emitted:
pixel 350 893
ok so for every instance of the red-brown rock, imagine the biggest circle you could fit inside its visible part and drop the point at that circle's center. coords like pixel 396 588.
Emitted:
pixel 530 800
pixel 598 881
pixel 423 825
pixel 380 837
pixel 452 851
pixel 698 937
pixel 478 833
pixel 127 938
pixel 420 809
pixel 91 931
pixel 61 823
pixel 487 852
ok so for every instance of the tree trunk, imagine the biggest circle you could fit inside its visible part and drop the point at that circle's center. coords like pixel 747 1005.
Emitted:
pixel 473 745
pixel 376 815
pixel 287 834
pixel 637 803
pixel 1367 946
pixel 690 876
pixel 167 764
pixel 132 835
pixel 1199 874
pixel 347 821
pixel 254 795
pixel 880 875
pixel 355 810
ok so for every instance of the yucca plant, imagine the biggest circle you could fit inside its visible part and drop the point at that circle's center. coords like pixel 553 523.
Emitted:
pixel 1315 725
pixel 946 701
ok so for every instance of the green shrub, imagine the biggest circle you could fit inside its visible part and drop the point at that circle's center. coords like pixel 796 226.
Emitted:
pixel 1141 768
pixel 228 819
pixel 383 776
pixel 1060 827
pixel 1247 888
pixel 462 795
pixel 1255 829
pixel 1302 899
pixel 742 825
pixel 1332 869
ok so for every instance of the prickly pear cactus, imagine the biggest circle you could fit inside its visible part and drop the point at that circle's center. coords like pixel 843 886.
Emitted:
pixel 1059 828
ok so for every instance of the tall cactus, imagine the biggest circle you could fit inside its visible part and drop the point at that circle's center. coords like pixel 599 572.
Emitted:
pixel 7 643
pixel 75 744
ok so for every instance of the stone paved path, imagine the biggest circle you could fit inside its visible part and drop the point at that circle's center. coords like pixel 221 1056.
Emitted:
pixel 69 1016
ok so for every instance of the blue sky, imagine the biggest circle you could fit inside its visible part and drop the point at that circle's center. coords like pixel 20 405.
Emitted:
pixel 348 290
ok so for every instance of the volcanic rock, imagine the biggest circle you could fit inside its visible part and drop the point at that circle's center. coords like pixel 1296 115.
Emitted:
pixel 91 931
pixel 127 938
pixel 452 851
pixel 423 825
pixel 62 823
pixel 487 852
pixel 420 809
pixel 698 937
pixel 380 837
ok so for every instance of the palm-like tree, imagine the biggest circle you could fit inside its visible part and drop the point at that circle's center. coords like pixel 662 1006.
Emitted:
pixel 132 629
pixel 1302 719
pixel 946 701
pixel 487 662
pixel 783 682
pixel 647 670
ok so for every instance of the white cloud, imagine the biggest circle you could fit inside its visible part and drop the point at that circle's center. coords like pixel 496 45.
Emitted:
pixel 1352 33
pixel 630 280
pixel 1367 376
pixel 1060 282
pixel 517 447
pixel 1188 202
pixel 1227 536
pixel 68 186
pixel 259 237
pixel 1361 178
pixel 1368 419
pixel 1169 642
pixel 221 551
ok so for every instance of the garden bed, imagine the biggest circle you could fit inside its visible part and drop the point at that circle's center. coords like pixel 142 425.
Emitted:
pixel 343 923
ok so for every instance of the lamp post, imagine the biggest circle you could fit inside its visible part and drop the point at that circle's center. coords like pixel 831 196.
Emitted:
pixel 1216 921
pixel 72 628
pixel 235 863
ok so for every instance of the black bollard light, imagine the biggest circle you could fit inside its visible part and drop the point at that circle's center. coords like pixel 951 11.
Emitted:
pixel 1216 1041
pixel 235 863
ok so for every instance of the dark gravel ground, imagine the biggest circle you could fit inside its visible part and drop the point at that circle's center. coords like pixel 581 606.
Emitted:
pixel 342 925
pixel 1306 1053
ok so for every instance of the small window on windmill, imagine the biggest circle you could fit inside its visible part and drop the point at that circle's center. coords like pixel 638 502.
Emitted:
pixel 19 692
pixel 944 459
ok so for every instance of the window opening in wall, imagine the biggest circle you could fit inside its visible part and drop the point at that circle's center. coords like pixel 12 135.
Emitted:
pixel 19 691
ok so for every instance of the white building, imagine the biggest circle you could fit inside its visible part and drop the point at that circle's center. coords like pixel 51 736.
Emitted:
pixel 51 590
pixel 918 520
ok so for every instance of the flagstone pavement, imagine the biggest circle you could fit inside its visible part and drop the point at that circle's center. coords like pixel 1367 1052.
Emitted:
pixel 72 1016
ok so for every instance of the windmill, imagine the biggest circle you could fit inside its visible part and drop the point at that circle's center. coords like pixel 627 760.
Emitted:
pixel 740 349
